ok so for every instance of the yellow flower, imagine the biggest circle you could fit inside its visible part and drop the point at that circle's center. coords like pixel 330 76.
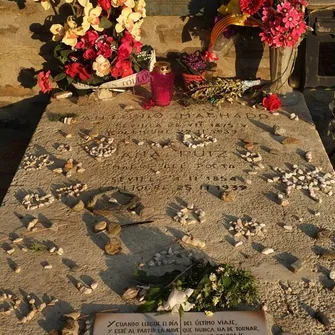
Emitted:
pixel 233 7
pixel 83 3
pixel 101 66
pixel 127 20
pixel 91 17
pixel 209 313
pixel 58 32
pixel 128 3
pixel 45 4
pixel 140 8
pixel 69 33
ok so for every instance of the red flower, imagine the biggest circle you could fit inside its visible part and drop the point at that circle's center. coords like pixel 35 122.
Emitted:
pixel 122 69
pixel 251 6
pixel 44 81
pixel 104 49
pixel 210 56
pixel 271 102
pixel 105 4
pixel 88 40
pixel 90 54
pixel 75 69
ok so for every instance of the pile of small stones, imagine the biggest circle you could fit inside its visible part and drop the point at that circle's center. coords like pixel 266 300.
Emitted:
pixel 12 301
pixel 311 181
pixel 33 162
pixel 170 257
pixel 70 167
pixel 72 190
pixel 33 200
pixel 252 157
pixel 64 148
pixel 247 228
pixel 190 215
pixel 196 141
pixel 101 148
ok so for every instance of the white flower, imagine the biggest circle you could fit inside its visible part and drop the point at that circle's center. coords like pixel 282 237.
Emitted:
pixel 101 66
pixel 212 277
pixel 214 286
pixel 216 300
pixel 176 300
pixel 209 313
pixel 220 269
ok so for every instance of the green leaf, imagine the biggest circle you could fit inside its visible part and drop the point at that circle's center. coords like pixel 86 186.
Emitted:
pixel 153 293
pixel 226 281
pixel 148 306
pixel 69 79
pixel 60 76
pixel 105 23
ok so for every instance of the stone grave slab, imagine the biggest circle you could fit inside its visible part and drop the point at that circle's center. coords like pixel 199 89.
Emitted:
pixel 165 179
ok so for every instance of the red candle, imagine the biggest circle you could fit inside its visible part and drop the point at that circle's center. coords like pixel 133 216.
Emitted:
pixel 162 80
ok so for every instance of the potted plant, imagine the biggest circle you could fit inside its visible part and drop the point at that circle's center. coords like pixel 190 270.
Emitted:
pixel 97 45
pixel 194 66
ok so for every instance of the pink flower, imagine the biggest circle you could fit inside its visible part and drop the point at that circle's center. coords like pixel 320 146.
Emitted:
pixel 284 7
pixel 251 6
pixel 44 81
pixel 105 4
pixel 88 40
pixel 90 54
pixel 291 18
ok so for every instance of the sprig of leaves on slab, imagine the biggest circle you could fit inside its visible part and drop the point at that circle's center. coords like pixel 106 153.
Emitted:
pixel 215 287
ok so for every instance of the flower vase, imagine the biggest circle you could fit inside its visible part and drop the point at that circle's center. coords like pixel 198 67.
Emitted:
pixel 282 61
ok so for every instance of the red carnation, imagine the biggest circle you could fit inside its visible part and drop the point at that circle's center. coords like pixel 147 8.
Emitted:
pixel 77 69
pixel 271 102
pixel 105 4
pixel 44 81
pixel 251 6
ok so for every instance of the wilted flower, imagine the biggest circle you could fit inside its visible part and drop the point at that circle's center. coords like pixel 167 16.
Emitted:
pixel 177 299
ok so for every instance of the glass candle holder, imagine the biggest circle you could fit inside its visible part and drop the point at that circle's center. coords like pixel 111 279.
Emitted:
pixel 162 81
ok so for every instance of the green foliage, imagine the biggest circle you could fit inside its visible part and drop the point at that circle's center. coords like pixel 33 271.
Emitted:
pixel 105 23
pixel 215 287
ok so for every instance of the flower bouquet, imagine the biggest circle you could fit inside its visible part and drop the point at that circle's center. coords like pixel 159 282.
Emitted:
pixel 282 24
pixel 202 287
pixel 98 46
pixel 195 66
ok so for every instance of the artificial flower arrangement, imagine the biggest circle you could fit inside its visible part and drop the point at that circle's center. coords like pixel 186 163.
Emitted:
pixel 202 287
pixel 195 63
pixel 282 22
pixel 97 43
